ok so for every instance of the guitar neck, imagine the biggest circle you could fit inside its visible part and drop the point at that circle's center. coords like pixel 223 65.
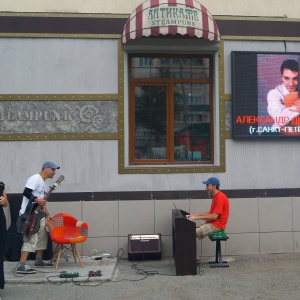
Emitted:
pixel 39 207
pixel 49 193
pixel 51 189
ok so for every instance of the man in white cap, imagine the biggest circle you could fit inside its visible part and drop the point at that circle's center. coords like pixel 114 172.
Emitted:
pixel 35 190
pixel 216 218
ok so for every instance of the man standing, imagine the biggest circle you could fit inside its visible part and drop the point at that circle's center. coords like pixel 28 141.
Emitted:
pixel 35 190
pixel 277 109
pixel 216 218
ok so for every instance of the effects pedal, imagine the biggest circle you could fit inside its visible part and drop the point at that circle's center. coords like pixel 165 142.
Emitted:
pixel 65 274
pixel 94 273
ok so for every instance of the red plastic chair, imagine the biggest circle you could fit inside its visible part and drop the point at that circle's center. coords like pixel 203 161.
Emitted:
pixel 67 230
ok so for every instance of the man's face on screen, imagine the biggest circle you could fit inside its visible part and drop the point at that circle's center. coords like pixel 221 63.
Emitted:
pixel 290 80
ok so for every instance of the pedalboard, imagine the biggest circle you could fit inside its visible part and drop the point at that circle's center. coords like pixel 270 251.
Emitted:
pixel 94 273
pixel 64 274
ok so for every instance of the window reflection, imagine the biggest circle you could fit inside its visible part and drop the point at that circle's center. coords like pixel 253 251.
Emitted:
pixel 150 119
pixel 192 121
pixel 171 109
pixel 189 68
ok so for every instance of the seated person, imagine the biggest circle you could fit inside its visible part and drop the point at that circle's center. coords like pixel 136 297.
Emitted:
pixel 216 218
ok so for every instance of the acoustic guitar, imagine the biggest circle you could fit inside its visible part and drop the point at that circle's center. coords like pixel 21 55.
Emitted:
pixel 29 222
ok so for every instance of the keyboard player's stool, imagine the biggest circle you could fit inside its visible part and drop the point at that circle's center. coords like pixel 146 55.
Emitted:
pixel 218 237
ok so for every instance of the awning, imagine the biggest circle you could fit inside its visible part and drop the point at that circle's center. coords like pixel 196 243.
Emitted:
pixel 170 17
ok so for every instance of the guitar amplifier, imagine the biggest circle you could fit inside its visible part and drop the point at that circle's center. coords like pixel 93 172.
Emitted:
pixel 144 246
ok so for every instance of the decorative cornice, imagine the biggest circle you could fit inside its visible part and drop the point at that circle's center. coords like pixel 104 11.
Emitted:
pixel 111 26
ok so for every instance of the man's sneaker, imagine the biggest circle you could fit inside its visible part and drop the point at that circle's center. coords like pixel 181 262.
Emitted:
pixel 42 264
pixel 25 269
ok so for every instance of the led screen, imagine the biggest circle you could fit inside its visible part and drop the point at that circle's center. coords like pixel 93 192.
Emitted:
pixel 265 98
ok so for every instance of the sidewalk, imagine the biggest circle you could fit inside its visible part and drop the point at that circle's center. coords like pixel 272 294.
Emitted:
pixel 272 276
pixel 50 275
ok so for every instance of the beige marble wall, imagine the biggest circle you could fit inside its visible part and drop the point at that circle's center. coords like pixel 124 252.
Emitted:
pixel 256 225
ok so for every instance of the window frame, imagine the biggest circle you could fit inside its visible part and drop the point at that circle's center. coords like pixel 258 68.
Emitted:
pixel 169 83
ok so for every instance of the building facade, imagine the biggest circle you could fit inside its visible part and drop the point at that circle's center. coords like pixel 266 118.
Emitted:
pixel 139 103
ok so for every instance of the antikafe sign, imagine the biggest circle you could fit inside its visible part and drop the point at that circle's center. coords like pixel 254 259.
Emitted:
pixel 173 16
pixel 153 18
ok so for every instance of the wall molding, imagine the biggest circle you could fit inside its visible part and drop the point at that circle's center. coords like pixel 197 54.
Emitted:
pixel 167 195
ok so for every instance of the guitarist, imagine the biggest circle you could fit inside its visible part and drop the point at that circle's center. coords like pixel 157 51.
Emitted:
pixel 35 190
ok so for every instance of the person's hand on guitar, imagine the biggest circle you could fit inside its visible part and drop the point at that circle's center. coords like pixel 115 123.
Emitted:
pixel 49 218
pixel 47 215
pixel 40 201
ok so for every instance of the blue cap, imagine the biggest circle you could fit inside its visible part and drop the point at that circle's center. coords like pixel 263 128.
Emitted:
pixel 212 180
pixel 50 164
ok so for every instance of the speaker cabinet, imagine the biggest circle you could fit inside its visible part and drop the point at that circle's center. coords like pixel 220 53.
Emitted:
pixel 144 246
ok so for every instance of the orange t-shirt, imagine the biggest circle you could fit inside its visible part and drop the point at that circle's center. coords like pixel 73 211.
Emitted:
pixel 220 206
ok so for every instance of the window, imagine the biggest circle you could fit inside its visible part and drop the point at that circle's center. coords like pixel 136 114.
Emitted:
pixel 170 109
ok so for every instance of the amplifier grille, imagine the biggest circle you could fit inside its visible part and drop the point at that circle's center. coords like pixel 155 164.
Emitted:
pixel 142 246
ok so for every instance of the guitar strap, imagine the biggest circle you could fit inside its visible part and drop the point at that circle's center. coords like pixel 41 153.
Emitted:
pixel 28 194
pixel 31 206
